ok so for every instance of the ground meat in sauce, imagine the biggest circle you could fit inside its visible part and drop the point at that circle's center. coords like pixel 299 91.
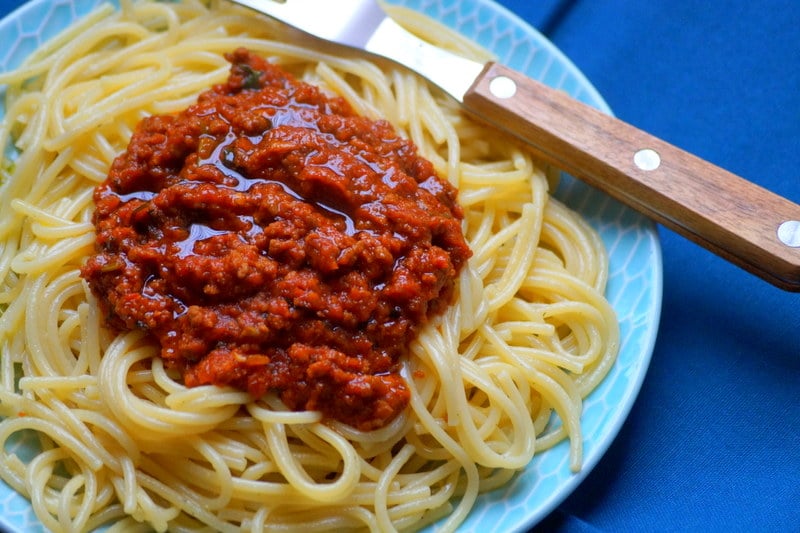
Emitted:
pixel 271 239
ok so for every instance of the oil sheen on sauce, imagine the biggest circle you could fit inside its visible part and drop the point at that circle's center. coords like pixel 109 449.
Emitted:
pixel 272 240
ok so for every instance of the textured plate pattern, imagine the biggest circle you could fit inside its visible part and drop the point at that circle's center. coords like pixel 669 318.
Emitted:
pixel 634 286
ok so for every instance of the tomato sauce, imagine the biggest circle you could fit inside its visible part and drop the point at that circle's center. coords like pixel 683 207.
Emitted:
pixel 272 240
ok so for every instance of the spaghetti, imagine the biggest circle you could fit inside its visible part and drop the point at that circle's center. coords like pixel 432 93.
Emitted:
pixel 498 376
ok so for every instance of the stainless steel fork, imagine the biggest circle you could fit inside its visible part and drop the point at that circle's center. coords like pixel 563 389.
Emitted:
pixel 363 25
pixel 734 218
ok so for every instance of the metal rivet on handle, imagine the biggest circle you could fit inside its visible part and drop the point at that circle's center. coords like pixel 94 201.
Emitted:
pixel 789 233
pixel 647 159
pixel 503 87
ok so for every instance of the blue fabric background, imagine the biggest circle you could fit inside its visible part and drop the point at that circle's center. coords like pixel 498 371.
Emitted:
pixel 713 442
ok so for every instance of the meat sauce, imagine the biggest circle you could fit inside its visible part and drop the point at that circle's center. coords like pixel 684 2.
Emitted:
pixel 272 240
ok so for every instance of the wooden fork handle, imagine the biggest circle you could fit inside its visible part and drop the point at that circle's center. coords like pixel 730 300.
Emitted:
pixel 734 218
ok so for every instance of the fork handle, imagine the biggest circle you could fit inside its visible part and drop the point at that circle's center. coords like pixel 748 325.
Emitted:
pixel 734 218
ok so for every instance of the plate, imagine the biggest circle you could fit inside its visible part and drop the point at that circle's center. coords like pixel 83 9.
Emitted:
pixel 635 282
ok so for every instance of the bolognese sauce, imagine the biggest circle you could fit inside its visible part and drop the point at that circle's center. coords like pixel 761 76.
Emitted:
pixel 272 239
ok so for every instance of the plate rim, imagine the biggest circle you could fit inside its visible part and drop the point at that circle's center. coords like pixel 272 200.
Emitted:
pixel 591 459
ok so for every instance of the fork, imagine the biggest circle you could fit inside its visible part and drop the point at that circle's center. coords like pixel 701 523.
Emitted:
pixel 730 216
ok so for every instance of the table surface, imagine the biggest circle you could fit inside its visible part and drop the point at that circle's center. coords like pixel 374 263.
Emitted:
pixel 713 439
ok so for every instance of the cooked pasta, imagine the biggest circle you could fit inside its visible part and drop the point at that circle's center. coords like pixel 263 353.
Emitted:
pixel 120 441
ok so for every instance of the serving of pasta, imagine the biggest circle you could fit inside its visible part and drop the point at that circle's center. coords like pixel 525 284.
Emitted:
pixel 496 378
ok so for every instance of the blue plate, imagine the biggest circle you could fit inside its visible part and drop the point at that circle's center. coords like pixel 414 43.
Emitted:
pixel 634 289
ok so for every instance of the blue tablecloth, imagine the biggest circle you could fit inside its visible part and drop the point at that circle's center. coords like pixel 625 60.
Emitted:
pixel 713 441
